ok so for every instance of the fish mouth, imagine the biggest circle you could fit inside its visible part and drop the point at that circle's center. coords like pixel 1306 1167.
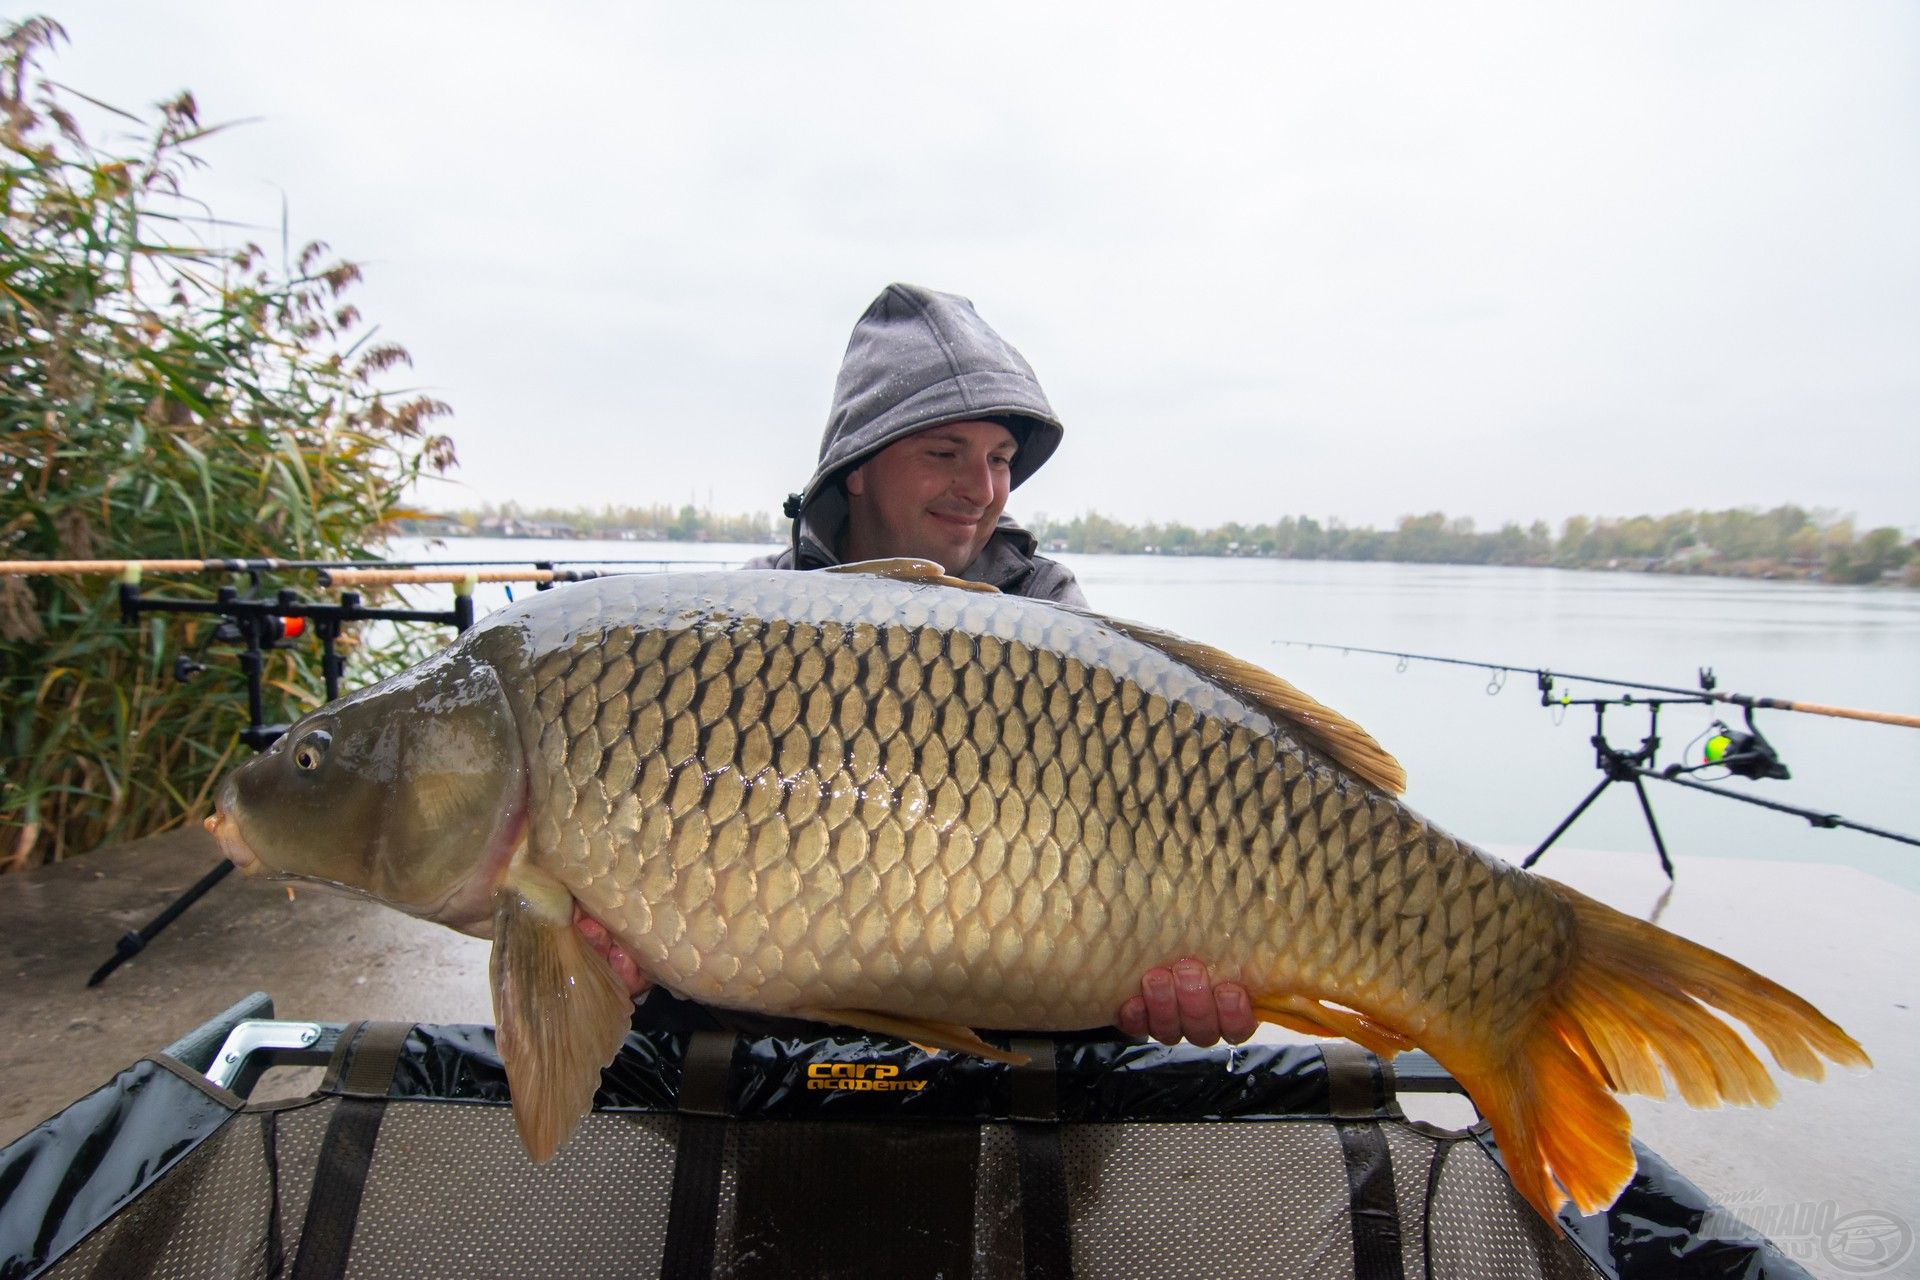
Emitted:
pixel 225 830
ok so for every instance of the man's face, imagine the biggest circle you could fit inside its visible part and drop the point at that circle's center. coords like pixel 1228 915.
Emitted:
pixel 935 495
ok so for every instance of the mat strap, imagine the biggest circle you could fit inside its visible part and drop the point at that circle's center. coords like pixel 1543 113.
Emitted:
pixel 1046 1231
pixel 1359 1090
pixel 361 1071
pixel 693 1213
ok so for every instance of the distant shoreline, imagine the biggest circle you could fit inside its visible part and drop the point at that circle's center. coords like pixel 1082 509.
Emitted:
pixel 1759 570
pixel 1787 543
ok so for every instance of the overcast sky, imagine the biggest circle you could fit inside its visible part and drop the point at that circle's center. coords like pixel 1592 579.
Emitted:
pixel 1504 260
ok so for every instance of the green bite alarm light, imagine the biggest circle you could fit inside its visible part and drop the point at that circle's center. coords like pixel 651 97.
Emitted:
pixel 1748 754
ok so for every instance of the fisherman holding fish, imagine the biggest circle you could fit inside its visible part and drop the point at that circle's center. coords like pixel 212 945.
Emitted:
pixel 935 419
pixel 881 797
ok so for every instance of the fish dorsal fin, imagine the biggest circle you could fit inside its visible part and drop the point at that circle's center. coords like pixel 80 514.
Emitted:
pixel 1351 747
pixel 907 569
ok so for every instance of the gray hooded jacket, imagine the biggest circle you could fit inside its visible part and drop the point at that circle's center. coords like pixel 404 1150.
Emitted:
pixel 917 359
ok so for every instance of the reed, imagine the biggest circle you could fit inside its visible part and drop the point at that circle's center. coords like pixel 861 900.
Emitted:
pixel 164 395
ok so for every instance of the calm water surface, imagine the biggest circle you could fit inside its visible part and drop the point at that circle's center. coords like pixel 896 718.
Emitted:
pixel 1501 769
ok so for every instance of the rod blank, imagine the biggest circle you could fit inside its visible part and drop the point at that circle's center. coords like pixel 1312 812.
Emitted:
pixel 1731 699
pixel 76 568
pixel 1821 709
pixel 411 577
pixel 23 568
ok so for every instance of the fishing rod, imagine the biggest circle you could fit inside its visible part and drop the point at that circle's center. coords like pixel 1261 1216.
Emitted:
pixel 396 577
pixel 1705 692
pixel 1744 754
pixel 28 568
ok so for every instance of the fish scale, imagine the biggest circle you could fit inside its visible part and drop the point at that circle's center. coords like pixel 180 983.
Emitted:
pixel 906 794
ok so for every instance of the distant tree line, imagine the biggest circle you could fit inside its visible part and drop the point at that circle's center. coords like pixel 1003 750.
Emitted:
pixel 659 522
pixel 1787 541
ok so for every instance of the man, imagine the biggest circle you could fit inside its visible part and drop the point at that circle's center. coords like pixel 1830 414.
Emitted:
pixel 935 420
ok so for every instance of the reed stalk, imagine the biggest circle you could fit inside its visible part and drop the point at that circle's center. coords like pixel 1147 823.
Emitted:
pixel 165 395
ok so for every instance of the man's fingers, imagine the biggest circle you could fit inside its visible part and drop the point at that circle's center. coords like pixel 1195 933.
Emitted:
pixel 592 930
pixel 1163 1005
pixel 1199 1020
pixel 600 940
pixel 1133 1018
pixel 1179 1002
pixel 597 937
pixel 637 983
pixel 1237 1022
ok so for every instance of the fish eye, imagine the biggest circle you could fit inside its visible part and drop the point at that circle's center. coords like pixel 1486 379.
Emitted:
pixel 312 750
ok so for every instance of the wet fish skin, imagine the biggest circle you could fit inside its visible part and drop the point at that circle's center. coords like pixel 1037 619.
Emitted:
pixel 840 794
pixel 920 810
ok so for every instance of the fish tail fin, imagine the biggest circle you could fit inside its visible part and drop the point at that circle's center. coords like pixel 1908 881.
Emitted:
pixel 1633 1001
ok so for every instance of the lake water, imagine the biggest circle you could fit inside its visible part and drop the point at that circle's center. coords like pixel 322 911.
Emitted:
pixel 1502 769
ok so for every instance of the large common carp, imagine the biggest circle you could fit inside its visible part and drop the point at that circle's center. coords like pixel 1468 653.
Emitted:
pixel 869 798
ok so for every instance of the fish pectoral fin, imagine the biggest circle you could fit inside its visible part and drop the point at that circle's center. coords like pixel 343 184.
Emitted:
pixel 1316 1018
pixel 905 569
pixel 562 1015
pixel 921 1032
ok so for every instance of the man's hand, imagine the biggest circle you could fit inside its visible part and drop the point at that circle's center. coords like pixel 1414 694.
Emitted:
pixel 1179 1003
pixel 597 937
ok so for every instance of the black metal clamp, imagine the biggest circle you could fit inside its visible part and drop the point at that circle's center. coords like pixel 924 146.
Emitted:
pixel 1615 765
pixel 258 626
pixel 1747 755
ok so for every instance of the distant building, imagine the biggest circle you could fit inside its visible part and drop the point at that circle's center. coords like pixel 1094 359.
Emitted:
pixel 1687 557
pixel 432 527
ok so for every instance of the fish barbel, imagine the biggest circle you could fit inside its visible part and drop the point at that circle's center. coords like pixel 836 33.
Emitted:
pixel 868 798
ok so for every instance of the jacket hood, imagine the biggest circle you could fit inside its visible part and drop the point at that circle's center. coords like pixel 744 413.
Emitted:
pixel 919 358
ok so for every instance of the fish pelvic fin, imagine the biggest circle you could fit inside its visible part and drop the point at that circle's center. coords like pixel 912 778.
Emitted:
pixel 922 1033
pixel 906 569
pixel 562 1015
pixel 1635 1004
